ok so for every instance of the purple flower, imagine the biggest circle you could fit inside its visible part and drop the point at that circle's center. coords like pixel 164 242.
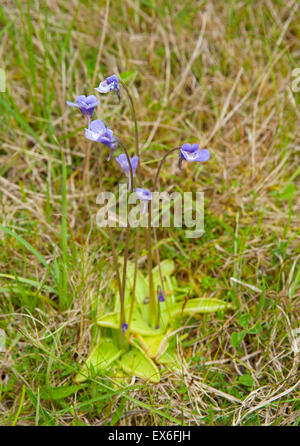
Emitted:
pixel 98 132
pixel 122 160
pixel 190 152
pixel 85 104
pixel 145 196
pixel 111 83
pixel 124 327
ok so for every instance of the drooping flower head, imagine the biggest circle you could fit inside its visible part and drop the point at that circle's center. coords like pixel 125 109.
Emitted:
pixel 86 104
pixel 145 196
pixel 122 160
pixel 191 152
pixel 111 83
pixel 98 132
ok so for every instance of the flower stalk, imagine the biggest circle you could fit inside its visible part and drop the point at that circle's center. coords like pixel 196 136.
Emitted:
pixel 136 134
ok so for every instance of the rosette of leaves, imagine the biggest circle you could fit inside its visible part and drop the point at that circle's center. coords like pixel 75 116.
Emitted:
pixel 150 350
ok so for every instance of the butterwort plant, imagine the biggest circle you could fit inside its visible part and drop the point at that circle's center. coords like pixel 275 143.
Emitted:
pixel 147 309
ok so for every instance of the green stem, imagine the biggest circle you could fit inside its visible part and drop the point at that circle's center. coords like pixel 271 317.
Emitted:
pixel 137 152
pixel 128 160
pixel 155 237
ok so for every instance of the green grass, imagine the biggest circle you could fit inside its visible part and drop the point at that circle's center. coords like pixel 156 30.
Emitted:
pixel 242 367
